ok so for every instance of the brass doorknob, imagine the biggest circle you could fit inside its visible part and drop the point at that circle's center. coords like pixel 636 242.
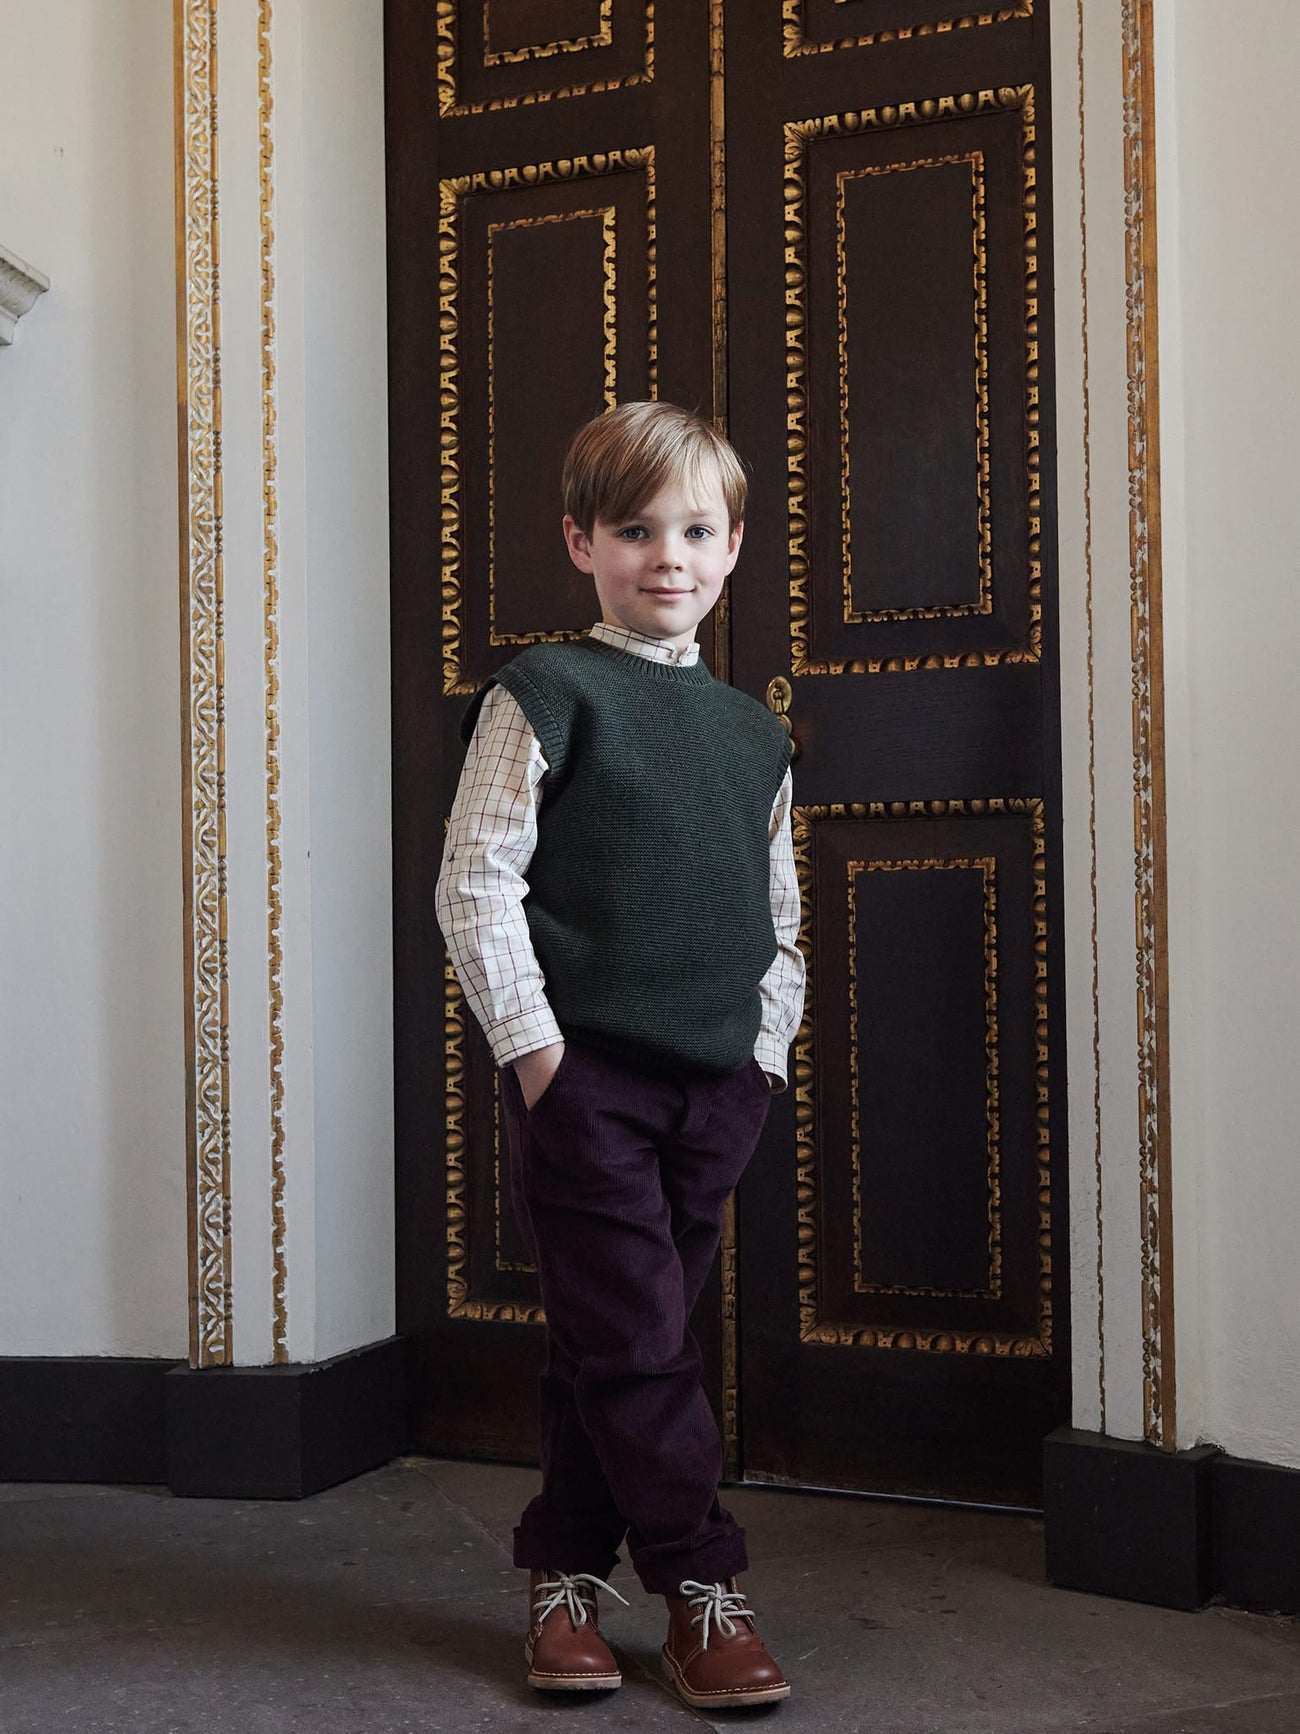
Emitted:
pixel 780 696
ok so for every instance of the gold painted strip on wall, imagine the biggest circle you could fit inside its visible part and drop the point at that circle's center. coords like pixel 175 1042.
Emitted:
pixel 601 37
pixel 203 764
pixel 813 1327
pixel 795 42
pixel 986 867
pixel 1095 984
pixel 984 505
pixel 271 674
pixel 449 102
pixel 452 193
pixel 798 135
pixel 1149 840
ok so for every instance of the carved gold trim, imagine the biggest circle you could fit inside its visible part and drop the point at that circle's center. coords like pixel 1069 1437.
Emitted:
pixel 602 37
pixel 812 1327
pixel 460 1304
pixel 794 41
pixel 271 673
pixel 986 867
pixel 1092 737
pixel 856 616
pixel 609 329
pixel 886 118
pixel 452 194
pixel 448 100
pixel 729 1247
pixel 1145 589
pixel 203 729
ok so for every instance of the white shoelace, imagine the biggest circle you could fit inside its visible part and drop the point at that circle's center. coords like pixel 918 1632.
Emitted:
pixel 574 1591
pixel 717 1604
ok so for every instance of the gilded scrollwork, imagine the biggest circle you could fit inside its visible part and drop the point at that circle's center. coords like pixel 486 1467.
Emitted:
pixel 601 37
pixel 271 676
pixel 448 78
pixel 798 135
pixel 1145 590
pixel 202 593
pixel 453 193
pixel 795 40
pixel 814 1327
pixel 606 216
pixel 980 393
pixel 461 1303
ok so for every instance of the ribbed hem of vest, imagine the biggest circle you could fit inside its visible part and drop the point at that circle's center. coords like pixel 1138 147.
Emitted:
pixel 650 667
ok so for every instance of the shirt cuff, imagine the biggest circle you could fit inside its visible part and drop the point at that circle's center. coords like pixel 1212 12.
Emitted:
pixel 771 1055
pixel 522 1034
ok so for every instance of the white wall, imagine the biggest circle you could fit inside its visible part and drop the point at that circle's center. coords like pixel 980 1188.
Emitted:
pixel 92 1139
pixel 1236 1002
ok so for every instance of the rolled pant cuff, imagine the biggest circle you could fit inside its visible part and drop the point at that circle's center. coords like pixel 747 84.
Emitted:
pixel 664 1574
pixel 536 1551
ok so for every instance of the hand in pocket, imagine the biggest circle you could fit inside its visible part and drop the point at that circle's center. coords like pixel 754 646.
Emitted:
pixel 536 1070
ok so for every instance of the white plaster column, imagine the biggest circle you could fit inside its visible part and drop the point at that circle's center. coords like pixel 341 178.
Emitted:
pixel 284 556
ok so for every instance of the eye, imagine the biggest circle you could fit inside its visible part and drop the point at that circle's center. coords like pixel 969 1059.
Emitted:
pixel 632 533
pixel 703 529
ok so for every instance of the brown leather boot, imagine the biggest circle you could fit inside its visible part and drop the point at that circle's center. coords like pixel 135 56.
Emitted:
pixel 565 1650
pixel 714 1655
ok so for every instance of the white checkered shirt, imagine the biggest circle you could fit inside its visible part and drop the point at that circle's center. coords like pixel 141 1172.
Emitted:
pixel 491 836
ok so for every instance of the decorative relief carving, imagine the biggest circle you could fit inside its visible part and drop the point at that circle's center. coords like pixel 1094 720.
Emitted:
pixel 979 268
pixel 601 37
pixel 271 675
pixel 606 217
pixel 20 284
pixel 986 867
pixel 795 41
pixel 449 102
pixel 460 1304
pixel 207 1014
pixel 798 135
pixel 1151 889
pixel 930 1339
pixel 453 193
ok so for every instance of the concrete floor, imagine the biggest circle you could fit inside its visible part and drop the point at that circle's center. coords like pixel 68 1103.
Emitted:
pixel 390 1604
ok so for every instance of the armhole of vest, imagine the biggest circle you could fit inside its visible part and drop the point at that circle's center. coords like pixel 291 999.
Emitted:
pixel 541 717
pixel 473 711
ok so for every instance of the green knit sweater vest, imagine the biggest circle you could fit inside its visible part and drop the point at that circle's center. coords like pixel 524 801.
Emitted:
pixel 648 897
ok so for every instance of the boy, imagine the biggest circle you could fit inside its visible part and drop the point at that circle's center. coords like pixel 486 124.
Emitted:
pixel 619 900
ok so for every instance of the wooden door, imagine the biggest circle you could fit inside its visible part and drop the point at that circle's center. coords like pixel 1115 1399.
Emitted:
pixel 868 306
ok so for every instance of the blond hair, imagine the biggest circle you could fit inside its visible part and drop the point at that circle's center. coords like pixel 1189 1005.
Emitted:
pixel 618 461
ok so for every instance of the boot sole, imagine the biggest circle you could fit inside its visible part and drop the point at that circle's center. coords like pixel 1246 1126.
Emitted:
pixel 722 1700
pixel 575 1682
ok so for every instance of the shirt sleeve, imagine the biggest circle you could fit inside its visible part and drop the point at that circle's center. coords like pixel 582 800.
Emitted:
pixel 478 899
pixel 782 988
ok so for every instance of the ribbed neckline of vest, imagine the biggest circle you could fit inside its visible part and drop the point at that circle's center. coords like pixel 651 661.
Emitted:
pixel 695 674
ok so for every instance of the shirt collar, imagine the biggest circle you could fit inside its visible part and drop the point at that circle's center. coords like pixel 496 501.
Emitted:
pixel 655 649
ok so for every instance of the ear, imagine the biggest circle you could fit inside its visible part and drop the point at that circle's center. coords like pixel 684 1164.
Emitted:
pixel 733 544
pixel 579 545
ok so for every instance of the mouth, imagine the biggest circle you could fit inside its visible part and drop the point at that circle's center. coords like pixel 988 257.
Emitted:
pixel 667 595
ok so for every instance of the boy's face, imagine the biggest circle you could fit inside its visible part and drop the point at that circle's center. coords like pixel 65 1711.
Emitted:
pixel 661 571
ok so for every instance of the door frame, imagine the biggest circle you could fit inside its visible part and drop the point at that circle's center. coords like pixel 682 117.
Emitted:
pixel 1115 689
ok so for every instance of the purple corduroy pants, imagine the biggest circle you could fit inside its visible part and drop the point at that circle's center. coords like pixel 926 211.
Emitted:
pixel 619 1179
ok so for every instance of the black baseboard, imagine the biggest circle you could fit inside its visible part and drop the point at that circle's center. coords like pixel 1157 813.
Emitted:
pixel 1256 1525
pixel 219 1432
pixel 82 1418
pixel 1177 1528
pixel 285 1432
